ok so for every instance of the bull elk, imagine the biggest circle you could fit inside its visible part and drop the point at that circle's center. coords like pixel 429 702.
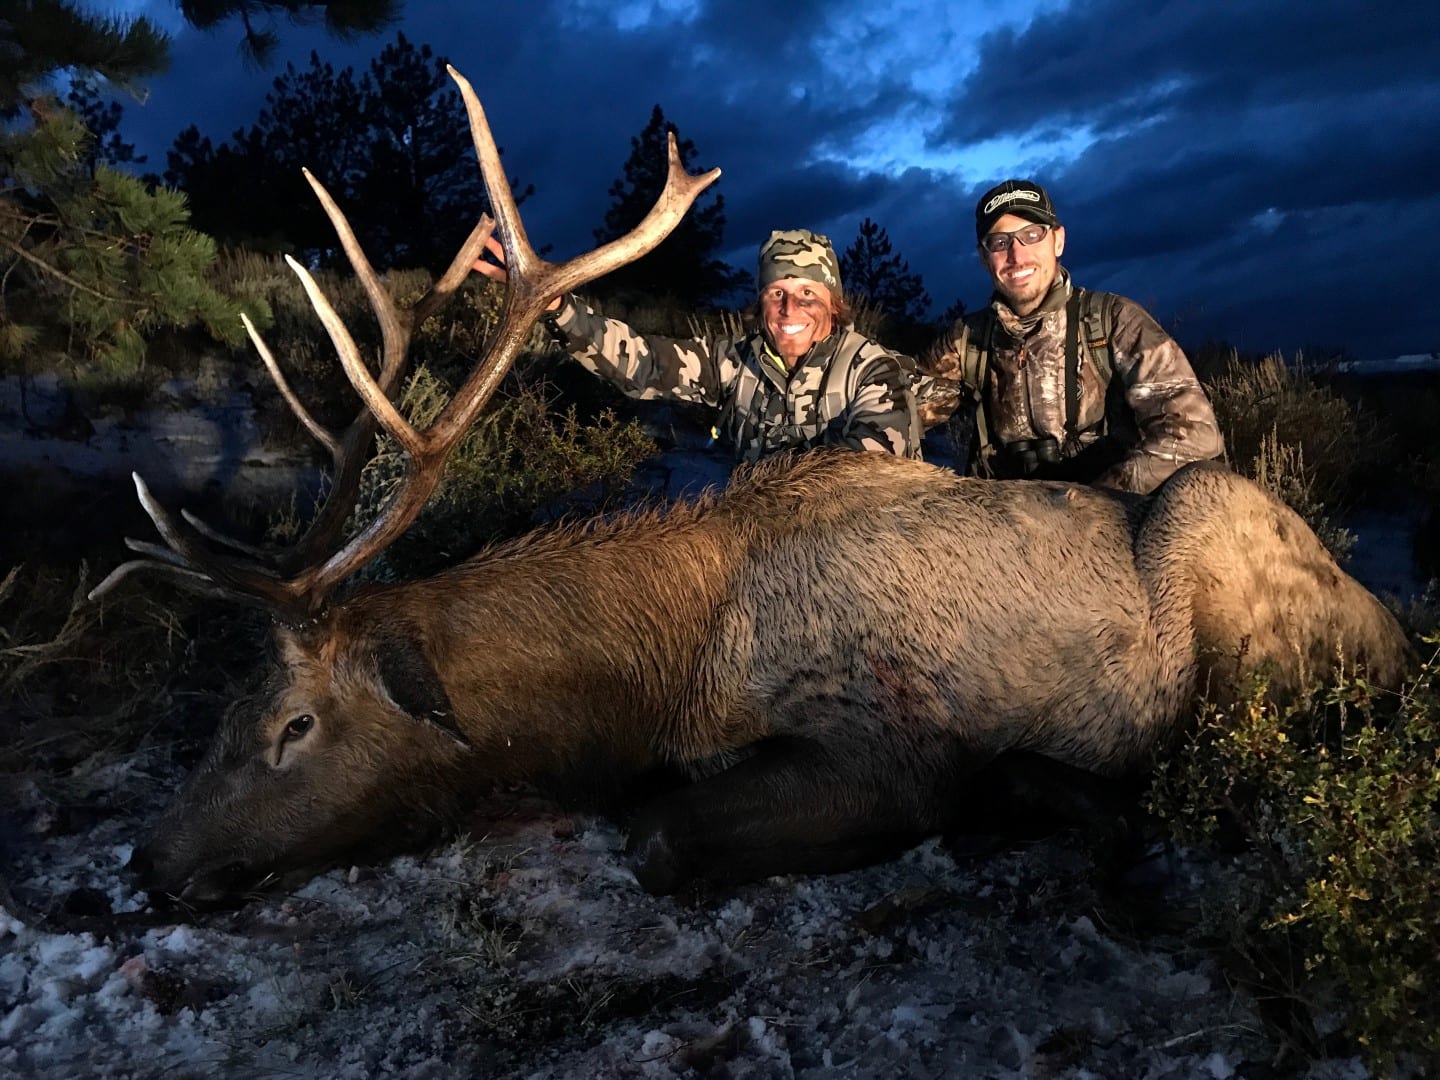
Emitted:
pixel 845 638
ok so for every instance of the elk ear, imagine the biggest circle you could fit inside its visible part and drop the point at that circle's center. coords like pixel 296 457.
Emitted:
pixel 413 685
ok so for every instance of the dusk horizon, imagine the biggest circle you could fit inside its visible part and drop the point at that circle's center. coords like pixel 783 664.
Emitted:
pixel 1241 173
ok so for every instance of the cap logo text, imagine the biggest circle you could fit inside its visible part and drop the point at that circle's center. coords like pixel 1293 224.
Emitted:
pixel 1010 196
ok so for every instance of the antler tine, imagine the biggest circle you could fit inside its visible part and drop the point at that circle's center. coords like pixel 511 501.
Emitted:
pixel 520 257
pixel 679 194
pixel 194 580
pixel 375 398
pixel 322 435
pixel 205 529
pixel 458 273
pixel 394 331
pixel 184 556
pixel 532 282
pixel 351 449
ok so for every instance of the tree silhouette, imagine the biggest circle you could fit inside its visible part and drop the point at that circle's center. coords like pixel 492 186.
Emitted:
pixel 874 272
pixel 953 314
pixel 102 119
pixel 683 267
pixel 421 185
pixel 393 148
pixel 343 18
pixel 309 120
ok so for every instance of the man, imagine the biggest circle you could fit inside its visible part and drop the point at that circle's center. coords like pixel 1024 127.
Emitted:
pixel 1069 384
pixel 804 379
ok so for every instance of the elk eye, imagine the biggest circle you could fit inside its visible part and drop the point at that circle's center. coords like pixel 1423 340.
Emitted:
pixel 299 727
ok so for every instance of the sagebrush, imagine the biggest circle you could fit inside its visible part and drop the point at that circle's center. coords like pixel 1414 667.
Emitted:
pixel 1336 802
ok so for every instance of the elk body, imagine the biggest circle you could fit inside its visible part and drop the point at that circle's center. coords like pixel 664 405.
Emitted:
pixel 853 635
pixel 875 629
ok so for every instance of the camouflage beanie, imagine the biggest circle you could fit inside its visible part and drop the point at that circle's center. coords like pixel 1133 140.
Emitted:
pixel 799 253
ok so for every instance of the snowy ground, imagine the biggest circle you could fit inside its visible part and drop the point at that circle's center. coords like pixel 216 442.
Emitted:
pixel 528 949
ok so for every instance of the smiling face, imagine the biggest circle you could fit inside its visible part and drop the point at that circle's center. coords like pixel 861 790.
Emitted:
pixel 1023 274
pixel 797 313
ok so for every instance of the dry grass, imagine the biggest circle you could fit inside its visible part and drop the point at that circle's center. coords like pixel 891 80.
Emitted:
pixel 81 679
pixel 1268 405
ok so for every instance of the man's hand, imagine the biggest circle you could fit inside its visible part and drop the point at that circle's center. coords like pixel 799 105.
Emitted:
pixel 495 271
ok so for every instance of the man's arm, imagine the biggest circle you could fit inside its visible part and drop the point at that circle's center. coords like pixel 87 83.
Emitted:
pixel 645 367
pixel 1175 419
pixel 939 389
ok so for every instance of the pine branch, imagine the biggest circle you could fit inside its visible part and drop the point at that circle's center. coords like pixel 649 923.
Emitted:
pixel 56 272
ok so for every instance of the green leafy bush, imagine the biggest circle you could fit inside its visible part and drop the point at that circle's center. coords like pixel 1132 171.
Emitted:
pixel 520 459
pixel 1337 799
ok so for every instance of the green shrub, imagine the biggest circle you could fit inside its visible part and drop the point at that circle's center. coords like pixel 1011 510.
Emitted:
pixel 1338 800
pixel 449 342
pixel 1279 467
pixel 520 458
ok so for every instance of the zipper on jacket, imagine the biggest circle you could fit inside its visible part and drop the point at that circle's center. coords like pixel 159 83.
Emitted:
pixel 1035 431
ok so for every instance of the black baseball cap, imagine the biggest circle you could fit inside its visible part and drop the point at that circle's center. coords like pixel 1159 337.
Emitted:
pixel 1023 198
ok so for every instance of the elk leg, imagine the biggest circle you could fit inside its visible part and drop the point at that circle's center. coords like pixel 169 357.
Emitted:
pixel 1028 793
pixel 1022 796
pixel 796 806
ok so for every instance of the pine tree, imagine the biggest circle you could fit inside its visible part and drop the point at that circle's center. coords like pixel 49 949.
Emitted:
pixel 392 147
pixel 310 120
pixel 953 314
pixel 873 272
pixel 91 259
pixel 420 189
pixel 343 18
pixel 102 119
pixel 684 266
pixel 40 37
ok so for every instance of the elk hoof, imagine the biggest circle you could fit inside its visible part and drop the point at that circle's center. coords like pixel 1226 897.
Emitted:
pixel 656 858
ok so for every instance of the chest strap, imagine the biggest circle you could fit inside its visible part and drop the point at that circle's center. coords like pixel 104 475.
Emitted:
pixel 1072 371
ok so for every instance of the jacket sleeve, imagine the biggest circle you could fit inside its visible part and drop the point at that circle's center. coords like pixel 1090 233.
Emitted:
pixel 881 412
pixel 645 367
pixel 1174 417
pixel 939 388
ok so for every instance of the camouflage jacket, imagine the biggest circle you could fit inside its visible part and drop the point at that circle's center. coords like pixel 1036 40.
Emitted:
pixel 846 391
pixel 1137 422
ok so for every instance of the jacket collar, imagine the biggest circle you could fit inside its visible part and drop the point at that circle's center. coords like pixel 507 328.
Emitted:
pixel 1055 300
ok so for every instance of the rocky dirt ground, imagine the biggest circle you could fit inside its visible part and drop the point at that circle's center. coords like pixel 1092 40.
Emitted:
pixel 528 949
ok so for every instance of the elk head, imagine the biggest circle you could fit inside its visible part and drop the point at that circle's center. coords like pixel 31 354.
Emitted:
pixel 352 734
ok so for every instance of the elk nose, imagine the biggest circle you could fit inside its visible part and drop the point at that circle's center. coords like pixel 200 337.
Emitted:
pixel 142 865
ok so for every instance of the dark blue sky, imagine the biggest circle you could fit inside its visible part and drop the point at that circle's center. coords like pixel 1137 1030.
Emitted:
pixel 1267 173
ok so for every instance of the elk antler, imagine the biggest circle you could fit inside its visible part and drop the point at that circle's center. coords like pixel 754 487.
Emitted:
pixel 297 582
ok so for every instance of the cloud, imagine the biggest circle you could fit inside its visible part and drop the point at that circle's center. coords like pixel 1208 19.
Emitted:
pixel 1236 165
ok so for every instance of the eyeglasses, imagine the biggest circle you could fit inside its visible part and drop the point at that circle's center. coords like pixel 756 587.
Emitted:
pixel 996 242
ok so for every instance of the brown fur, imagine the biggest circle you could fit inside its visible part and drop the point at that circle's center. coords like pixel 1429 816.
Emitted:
pixel 874 629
